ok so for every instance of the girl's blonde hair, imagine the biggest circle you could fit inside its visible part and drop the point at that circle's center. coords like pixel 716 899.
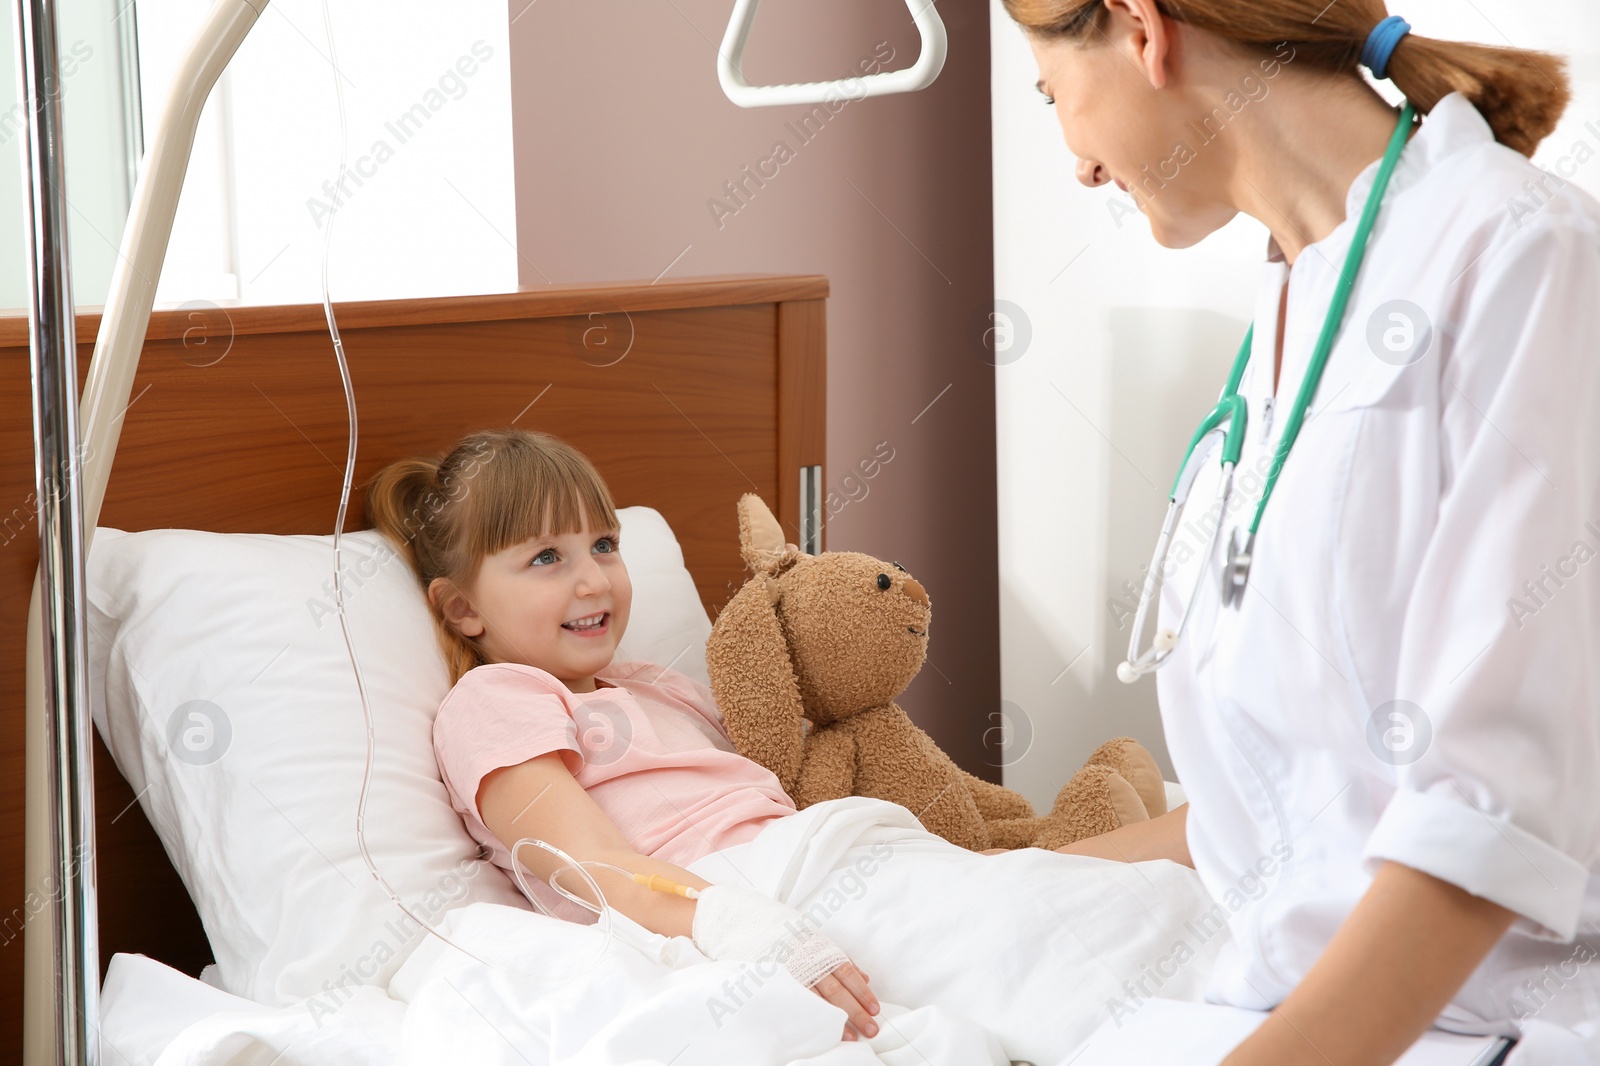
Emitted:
pixel 496 488
pixel 1521 94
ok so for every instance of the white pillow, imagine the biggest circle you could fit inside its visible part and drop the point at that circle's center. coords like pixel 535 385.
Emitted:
pixel 221 684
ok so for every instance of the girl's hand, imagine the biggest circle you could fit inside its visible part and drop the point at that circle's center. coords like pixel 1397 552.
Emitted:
pixel 846 988
pixel 733 922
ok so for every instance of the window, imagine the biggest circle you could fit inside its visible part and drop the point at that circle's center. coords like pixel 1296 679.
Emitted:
pixel 428 206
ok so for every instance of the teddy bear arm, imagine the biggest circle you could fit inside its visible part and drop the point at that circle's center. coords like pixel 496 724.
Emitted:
pixel 776 742
pixel 902 764
pixel 754 685
pixel 827 770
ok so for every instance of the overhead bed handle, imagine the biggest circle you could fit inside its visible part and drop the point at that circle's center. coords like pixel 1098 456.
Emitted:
pixel 920 75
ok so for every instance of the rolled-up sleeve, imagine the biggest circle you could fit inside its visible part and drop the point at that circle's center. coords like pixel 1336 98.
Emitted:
pixel 1500 641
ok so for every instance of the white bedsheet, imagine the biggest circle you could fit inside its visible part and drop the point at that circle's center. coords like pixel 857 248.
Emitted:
pixel 977 959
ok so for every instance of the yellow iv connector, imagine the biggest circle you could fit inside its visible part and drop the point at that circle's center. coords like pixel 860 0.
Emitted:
pixel 657 883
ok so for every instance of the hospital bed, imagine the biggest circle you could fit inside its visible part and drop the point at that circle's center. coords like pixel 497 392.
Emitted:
pixel 685 394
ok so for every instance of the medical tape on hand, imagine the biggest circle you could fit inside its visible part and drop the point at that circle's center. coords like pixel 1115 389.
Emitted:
pixel 738 923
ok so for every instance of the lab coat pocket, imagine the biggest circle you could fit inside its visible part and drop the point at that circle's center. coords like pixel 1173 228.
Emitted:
pixel 1388 512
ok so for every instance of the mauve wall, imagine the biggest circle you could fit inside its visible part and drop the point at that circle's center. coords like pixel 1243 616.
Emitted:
pixel 624 141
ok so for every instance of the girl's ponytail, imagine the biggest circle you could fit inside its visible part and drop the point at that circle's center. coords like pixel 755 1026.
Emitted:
pixel 1521 94
pixel 402 500
pixel 396 507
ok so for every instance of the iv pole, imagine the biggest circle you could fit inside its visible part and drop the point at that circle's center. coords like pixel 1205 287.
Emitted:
pixel 54 367
pixel 60 802
pixel 60 776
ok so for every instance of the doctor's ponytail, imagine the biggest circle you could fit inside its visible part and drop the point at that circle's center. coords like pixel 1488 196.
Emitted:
pixel 1521 94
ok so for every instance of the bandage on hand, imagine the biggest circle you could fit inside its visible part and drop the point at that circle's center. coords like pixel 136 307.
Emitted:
pixel 738 923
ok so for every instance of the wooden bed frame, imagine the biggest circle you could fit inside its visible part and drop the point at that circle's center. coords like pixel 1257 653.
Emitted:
pixel 685 394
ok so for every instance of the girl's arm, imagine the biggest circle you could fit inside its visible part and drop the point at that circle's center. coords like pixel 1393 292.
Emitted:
pixel 540 799
pixel 1406 949
pixel 1159 838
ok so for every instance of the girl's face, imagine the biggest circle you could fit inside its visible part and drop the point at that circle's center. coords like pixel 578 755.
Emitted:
pixel 557 602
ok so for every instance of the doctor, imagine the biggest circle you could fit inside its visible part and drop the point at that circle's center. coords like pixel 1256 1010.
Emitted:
pixel 1388 720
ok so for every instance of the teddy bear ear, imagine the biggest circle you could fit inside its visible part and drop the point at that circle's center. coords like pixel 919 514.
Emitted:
pixel 761 540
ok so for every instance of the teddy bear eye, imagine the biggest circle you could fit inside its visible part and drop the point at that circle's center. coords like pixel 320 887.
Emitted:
pixel 884 582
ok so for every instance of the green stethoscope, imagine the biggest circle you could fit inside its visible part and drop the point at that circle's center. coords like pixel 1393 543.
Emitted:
pixel 1227 421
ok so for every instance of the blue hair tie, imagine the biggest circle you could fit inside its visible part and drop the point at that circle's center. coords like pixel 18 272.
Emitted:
pixel 1381 44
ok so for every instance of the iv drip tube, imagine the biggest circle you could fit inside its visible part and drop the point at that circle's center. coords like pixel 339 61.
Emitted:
pixel 604 909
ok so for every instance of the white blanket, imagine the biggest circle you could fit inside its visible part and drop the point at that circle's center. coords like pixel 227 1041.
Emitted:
pixel 976 959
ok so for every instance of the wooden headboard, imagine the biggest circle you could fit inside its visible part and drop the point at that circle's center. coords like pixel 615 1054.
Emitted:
pixel 684 394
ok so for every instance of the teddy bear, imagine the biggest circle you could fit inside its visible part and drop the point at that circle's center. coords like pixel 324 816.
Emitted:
pixel 805 663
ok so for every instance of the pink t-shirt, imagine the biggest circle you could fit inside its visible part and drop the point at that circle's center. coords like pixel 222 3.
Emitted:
pixel 652 753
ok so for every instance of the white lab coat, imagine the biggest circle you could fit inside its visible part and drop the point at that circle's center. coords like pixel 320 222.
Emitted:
pixel 1434 539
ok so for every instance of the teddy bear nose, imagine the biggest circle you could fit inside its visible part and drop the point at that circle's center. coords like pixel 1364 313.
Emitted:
pixel 914 589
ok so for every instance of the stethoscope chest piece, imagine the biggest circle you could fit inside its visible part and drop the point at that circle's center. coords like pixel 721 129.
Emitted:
pixel 1236 568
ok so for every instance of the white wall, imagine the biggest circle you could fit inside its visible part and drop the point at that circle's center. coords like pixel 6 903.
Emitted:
pixel 1127 345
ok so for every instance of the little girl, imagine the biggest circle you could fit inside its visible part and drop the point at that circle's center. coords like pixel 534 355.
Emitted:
pixel 543 735
pixel 515 540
